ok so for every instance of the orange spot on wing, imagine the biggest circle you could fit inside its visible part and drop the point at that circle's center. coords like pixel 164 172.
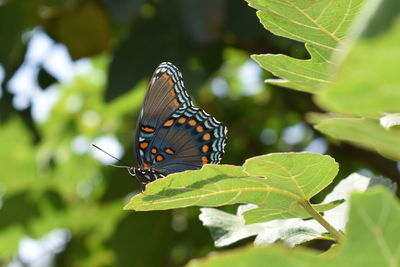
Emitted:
pixel 181 120
pixel 148 129
pixel 169 151
pixel 192 122
pixel 204 159
pixel 199 128
pixel 153 150
pixel 168 123
pixel 176 102
pixel 145 165
pixel 144 145
pixel 207 136
pixel 159 158
pixel 165 75
pixel 171 82
pixel 205 148
pixel 173 92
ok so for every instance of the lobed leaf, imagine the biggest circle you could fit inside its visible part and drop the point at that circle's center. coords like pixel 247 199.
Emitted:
pixel 291 178
pixel 367 82
pixel 226 228
pixel 321 25
pixel 303 174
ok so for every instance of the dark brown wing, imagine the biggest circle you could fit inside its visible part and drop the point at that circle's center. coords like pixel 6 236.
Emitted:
pixel 164 96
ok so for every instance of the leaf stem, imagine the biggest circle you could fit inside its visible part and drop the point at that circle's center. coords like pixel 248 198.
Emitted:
pixel 307 206
pixel 327 238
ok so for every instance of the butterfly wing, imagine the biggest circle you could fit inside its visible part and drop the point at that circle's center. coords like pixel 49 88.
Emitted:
pixel 189 139
pixel 164 96
pixel 178 136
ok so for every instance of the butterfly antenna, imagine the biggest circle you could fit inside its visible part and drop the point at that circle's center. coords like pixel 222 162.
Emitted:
pixel 118 166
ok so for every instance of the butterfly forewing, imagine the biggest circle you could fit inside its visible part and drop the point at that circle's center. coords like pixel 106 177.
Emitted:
pixel 164 96
pixel 172 135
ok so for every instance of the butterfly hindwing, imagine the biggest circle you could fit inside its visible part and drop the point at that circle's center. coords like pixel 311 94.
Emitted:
pixel 189 139
pixel 173 135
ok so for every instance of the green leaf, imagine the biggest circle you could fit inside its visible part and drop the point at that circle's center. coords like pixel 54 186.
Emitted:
pixel 372 229
pixel 292 178
pixel 303 174
pixel 367 83
pixel 321 25
pixel 226 228
pixel 250 256
pixel 277 211
pixel 367 133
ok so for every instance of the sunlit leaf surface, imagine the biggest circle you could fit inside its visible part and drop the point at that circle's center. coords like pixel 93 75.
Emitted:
pixel 321 25
pixel 277 183
pixel 367 133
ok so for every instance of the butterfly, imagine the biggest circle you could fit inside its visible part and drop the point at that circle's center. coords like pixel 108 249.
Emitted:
pixel 172 135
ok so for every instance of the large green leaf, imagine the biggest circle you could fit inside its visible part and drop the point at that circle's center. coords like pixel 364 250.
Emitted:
pixel 292 179
pixel 303 174
pixel 250 256
pixel 372 229
pixel 321 25
pixel 227 228
pixel 367 133
pixel 367 82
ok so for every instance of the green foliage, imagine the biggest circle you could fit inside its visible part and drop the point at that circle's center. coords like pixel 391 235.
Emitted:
pixel 364 132
pixel 46 184
pixel 293 179
pixel 321 25
pixel 372 240
pixel 366 86
pixel 351 67
pixel 367 81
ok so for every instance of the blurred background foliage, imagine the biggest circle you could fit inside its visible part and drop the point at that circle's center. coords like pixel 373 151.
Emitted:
pixel 74 72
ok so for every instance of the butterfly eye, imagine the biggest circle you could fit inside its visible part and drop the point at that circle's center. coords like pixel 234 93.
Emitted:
pixel 131 171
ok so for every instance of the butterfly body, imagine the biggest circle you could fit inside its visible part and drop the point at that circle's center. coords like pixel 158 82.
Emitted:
pixel 145 176
pixel 172 135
